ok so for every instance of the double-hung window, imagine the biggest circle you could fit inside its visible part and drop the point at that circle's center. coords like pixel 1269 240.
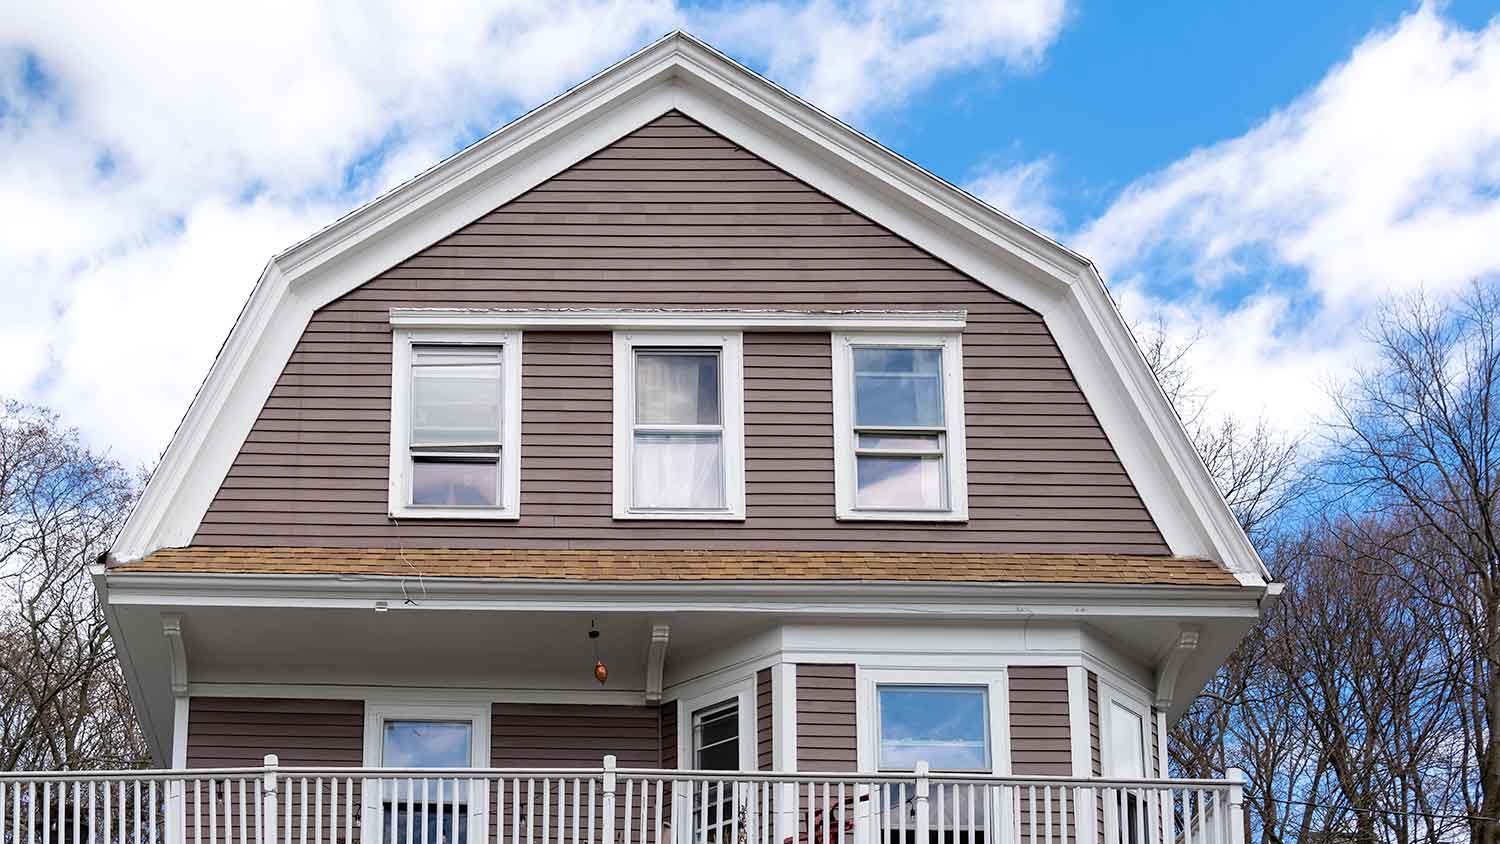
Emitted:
pixel 899 428
pixel 679 427
pixel 455 425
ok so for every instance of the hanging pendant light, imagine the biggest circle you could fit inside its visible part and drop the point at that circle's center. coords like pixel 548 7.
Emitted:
pixel 601 671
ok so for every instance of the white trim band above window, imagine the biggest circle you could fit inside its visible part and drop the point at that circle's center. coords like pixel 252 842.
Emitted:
pixel 455 424
pixel 898 419
pixel 678 319
pixel 679 450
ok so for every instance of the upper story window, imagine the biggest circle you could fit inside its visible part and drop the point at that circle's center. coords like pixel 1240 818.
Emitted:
pixel 455 425
pixel 679 426
pixel 899 428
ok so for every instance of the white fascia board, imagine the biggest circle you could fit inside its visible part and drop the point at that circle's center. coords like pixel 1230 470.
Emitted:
pixel 679 72
pixel 677 319
pixel 811 598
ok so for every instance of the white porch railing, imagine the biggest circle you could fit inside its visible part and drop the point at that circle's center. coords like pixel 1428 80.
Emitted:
pixel 606 805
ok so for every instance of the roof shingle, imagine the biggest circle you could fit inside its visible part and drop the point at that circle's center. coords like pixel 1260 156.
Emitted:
pixel 615 565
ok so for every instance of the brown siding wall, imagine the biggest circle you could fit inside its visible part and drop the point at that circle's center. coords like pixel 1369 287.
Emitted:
pixel 524 735
pixel 668 715
pixel 674 215
pixel 826 735
pixel 764 722
pixel 238 732
pixel 1095 761
pixel 1040 743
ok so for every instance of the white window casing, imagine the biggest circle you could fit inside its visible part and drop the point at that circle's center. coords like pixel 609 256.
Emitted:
pixel 413 346
pixel 935 445
pixel 1124 754
pixel 994 683
pixel 634 501
pixel 375 792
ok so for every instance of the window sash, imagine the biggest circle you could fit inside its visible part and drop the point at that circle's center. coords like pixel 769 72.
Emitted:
pixel 637 427
pixel 437 356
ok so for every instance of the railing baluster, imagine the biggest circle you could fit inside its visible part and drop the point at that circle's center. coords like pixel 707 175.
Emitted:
pixel 516 812
pixel 577 789
pixel 530 807
pixel 593 786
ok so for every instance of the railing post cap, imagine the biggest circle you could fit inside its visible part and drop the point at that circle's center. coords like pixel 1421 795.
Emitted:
pixel 270 761
pixel 1235 775
pixel 609 761
pixel 921 769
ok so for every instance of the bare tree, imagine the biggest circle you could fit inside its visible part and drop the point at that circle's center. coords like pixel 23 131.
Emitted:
pixel 1418 434
pixel 62 700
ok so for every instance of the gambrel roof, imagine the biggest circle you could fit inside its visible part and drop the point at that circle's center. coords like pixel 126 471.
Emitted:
pixel 683 74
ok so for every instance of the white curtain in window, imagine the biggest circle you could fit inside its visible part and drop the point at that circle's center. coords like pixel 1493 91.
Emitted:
pixel 678 470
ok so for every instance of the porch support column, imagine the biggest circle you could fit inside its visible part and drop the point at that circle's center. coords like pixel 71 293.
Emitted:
pixel 171 629
pixel 784 745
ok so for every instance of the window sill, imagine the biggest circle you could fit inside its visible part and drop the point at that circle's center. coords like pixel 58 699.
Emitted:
pixel 495 515
pixel 901 516
pixel 658 516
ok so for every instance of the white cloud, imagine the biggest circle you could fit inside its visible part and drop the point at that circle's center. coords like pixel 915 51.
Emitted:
pixel 846 58
pixel 1024 191
pixel 1273 246
pixel 153 158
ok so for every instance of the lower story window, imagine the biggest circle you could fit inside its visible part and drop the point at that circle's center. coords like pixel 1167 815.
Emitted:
pixel 945 726
pixel 716 747
pixel 1127 760
pixel 433 810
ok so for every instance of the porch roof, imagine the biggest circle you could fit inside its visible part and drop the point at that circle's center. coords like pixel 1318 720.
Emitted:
pixel 693 565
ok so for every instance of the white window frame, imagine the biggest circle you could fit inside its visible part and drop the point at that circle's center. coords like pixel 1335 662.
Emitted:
pixel 867 707
pixel 743 693
pixel 1109 697
pixel 730 345
pixel 378 713
pixel 955 464
pixel 509 342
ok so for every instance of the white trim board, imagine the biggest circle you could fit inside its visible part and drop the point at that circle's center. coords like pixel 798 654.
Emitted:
pixel 678 319
pixel 679 72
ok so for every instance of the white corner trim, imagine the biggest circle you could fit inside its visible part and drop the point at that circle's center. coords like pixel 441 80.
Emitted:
pixel 732 410
pixel 867 683
pixel 784 716
pixel 1078 721
pixel 679 72
pixel 399 475
pixel 956 475
pixel 678 319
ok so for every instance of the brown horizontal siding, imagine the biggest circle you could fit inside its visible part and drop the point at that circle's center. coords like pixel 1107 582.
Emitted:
pixel 526 735
pixel 1040 741
pixel 673 215
pixel 667 713
pixel 228 732
pixel 764 721
pixel 826 732
pixel 240 732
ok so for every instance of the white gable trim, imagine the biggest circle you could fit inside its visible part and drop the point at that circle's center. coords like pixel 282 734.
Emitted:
pixel 679 72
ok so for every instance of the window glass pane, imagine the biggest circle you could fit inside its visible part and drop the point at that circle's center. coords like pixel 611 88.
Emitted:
pixel 455 482
pixel 716 738
pixel 903 483
pixel 898 387
pixel 426 744
pixel 676 387
pixel 901 442
pixel 455 403
pixel 680 471
pixel 1127 740
pixel 943 726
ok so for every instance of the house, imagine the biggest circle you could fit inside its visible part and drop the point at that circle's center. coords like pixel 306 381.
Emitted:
pixel 674 464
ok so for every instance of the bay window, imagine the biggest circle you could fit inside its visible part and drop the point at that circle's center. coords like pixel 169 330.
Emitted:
pixel 679 427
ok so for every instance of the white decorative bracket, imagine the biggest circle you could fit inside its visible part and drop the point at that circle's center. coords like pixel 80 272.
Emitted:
pixel 656 659
pixel 171 628
pixel 1171 664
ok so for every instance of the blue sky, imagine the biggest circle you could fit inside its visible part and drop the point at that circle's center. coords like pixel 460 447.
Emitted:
pixel 1251 177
